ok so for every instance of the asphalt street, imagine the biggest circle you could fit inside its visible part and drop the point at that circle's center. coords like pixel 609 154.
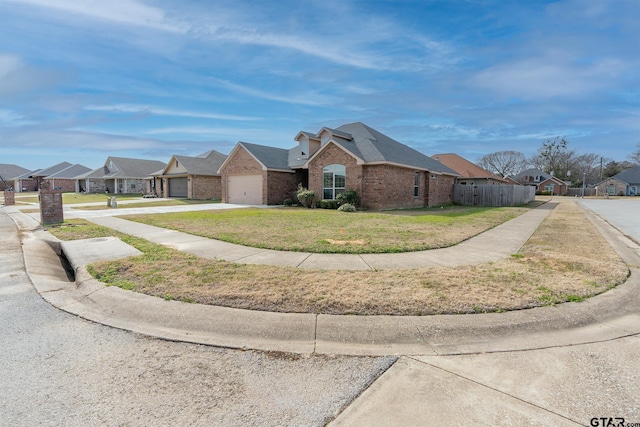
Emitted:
pixel 57 369
pixel 624 214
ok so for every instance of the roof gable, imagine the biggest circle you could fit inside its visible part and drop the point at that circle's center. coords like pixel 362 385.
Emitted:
pixel 51 169
pixel 131 168
pixel 70 172
pixel 629 176
pixel 464 167
pixel 270 157
pixel 376 147
pixel 204 164
pixel 10 171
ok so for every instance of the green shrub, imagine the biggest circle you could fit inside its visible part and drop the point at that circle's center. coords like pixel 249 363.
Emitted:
pixel 347 207
pixel 305 197
pixel 348 196
pixel 327 204
pixel 288 202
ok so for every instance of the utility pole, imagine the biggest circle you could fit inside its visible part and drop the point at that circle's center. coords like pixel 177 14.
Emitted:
pixel 600 168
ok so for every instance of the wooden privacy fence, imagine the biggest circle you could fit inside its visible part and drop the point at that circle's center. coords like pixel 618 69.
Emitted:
pixel 493 195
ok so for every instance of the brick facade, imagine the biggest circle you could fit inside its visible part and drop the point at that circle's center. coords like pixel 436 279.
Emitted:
pixel 390 187
pixel 439 189
pixel 279 186
pixel 613 187
pixel 333 155
pixel 202 187
pixel 9 198
pixel 26 184
pixel 383 186
pixel 50 206
pixel 65 185
pixel 243 164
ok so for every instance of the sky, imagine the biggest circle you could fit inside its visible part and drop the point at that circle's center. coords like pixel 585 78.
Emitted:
pixel 81 80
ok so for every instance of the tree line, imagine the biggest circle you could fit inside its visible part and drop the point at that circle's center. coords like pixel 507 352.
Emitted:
pixel 554 157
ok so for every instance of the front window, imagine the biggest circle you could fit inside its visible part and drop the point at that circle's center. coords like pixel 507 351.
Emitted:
pixel 333 181
pixel 549 188
pixel 304 148
pixel 416 184
pixel 611 190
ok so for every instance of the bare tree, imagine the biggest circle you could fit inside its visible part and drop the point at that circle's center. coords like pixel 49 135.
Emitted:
pixel 555 158
pixel 585 168
pixel 503 163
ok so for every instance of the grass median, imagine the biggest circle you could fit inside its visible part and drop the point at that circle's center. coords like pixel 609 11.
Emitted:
pixel 331 231
pixel 566 259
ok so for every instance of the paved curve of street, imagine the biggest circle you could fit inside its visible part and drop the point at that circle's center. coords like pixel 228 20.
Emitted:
pixel 57 369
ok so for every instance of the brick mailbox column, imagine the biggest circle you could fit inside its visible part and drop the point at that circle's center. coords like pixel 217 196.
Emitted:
pixel 50 207
pixel 9 198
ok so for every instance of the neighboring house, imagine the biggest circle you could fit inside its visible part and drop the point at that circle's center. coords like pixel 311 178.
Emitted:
pixel 190 177
pixel 8 174
pixel 626 183
pixel 26 182
pixel 40 175
pixel 385 173
pixel 65 179
pixel 542 181
pixel 119 175
pixel 470 173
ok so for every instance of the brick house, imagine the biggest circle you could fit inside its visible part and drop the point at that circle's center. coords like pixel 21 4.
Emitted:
pixel 385 173
pixel 8 174
pixel 470 173
pixel 190 177
pixel 542 181
pixel 626 183
pixel 119 175
pixel 65 179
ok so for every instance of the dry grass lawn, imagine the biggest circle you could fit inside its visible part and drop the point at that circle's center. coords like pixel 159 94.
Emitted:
pixel 565 260
pixel 331 231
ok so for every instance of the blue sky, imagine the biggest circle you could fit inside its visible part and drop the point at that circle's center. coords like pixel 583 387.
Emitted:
pixel 81 80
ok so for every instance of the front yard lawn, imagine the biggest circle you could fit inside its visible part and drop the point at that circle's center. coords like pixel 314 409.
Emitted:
pixel 330 231
pixel 566 259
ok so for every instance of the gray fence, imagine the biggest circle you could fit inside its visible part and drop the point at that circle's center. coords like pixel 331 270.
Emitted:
pixel 493 195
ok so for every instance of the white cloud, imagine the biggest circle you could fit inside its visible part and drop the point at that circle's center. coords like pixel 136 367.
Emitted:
pixel 306 98
pixel 546 77
pixel 130 12
pixel 133 108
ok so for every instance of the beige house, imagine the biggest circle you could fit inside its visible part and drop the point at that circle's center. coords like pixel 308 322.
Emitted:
pixel 190 177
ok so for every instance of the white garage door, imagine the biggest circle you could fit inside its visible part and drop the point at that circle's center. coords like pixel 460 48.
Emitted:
pixel 245 189
pixel 178 187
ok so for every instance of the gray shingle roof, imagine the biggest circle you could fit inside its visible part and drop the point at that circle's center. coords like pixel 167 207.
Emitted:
pixel 70 172
pixel 629 176
pixel 373 146
pixel 270 157
pixel 52 169
pixel 131 168
pixel 10 171
pixel 531 172
pixel 205 164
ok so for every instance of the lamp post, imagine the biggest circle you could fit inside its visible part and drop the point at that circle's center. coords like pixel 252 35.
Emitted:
pixel 584 177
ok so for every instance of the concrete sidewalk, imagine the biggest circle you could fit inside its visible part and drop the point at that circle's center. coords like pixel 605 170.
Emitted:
pixel 610 315
pixel 492 245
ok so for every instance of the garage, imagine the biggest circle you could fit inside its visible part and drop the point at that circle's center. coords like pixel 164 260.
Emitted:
pixel 245 189
pixel 178 187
